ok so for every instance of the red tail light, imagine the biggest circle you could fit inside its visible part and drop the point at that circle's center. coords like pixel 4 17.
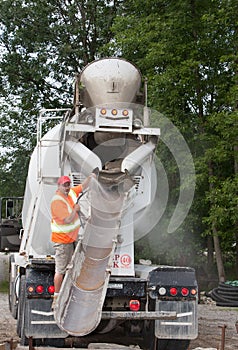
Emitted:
pixel 51 289
pixel 173 291
pixel 39 289
pixel 134 305
pixel 185 291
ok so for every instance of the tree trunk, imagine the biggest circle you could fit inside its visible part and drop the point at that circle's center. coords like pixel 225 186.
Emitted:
pixel 236 239
pixel 236 226
pixel 217 248
pixel 219 261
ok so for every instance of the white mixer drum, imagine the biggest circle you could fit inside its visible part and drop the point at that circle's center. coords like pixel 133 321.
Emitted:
pixel 109 80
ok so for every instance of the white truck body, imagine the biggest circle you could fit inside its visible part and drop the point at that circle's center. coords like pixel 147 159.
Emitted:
pixel 108 130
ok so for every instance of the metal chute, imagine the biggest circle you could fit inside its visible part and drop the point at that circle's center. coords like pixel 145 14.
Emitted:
pixel 79 305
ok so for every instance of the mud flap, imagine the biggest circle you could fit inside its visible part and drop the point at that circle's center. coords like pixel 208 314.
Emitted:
pixel 184 326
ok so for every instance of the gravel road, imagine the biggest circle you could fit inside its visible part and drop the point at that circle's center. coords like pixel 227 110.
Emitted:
pixel 7 322
pixel 211 318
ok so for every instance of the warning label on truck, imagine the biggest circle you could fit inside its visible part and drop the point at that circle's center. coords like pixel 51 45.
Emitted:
pixel 122 262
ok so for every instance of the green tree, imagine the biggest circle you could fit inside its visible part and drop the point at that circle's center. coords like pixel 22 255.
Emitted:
pixel 188 51
pixel 44 44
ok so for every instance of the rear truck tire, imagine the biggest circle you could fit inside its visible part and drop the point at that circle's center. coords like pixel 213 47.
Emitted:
pixel 172 344
pixel 21 314
pixel 12 296
pixel 163 344
pixel 23 340
pixel 106 326
pixel 20 306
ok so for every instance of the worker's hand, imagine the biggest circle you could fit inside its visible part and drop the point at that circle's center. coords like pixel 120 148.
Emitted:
pixel 77 207
pixel 87 180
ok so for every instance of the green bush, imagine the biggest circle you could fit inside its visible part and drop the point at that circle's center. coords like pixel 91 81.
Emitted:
pixel 4 287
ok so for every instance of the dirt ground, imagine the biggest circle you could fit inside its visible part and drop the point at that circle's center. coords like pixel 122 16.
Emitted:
pixel 211 318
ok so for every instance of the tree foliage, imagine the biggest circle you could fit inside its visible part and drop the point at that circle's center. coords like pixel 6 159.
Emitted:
pixel 44 44
pixel 188 51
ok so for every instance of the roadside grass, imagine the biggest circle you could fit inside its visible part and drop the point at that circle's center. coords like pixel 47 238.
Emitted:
pixel 4 287
pixel 222 308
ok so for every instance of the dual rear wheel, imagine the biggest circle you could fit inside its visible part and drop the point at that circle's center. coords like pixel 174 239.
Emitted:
pixel 154 343
pixel 171 344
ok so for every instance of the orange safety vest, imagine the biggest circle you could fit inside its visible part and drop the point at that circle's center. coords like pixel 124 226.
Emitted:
pixel 61 207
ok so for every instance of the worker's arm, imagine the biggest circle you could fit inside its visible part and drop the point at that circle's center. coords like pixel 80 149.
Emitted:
pixel 76 208
pixel 71 217
pixel 87 180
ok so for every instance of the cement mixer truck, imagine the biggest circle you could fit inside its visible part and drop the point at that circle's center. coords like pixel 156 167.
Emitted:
pixel 105 294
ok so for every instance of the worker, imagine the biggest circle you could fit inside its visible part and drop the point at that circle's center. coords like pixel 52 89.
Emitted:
pixel 65 226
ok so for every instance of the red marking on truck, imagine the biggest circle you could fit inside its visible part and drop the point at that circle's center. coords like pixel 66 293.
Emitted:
pixel 115 265
pixel 125 260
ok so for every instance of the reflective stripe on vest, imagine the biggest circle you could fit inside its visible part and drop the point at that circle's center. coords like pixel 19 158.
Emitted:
pixel 72 194
pixel 65 228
